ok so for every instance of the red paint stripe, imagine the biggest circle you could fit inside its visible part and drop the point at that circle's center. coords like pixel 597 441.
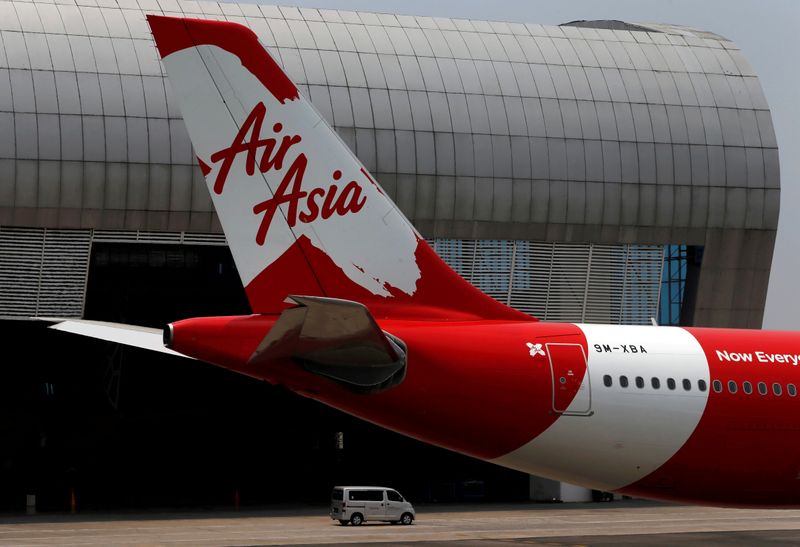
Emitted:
pixel 175 34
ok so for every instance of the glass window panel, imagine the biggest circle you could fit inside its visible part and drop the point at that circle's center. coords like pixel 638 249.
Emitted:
pixel 450 76
pixel 426 157
pixel 349 16
pixel 487 77
pixel 505 76
pixel 115 138
pixel 320 98
pixel 469 76
pixel 496 50
pixel 59 52
pixel 529 48
pixel 431 74
pixel 334 71
pixel 44 87
pixel 342 38
pixel 512 49
pixel 321 35
pixel 708 62
pixel 133 96
pixel 406 155
pixel 67 87
pixel 381 39
pixel 353 69
pixel 456 43
pixel 38 52
pixel 633 86
pixel 95 25
pixel 15 49
pixel 8 17
pixel 342 106
pixel 515 115
pixel 71 138
pixel 677 124
pixel 498 122
pixel 534 117
pixel 584 52
pixel 400 41
pixel 483 160
pixel 591 127
pixel 642 123
pixel 597 84
pixel 411 73
pixel 549 51
pixel 459 113
pixel 94 148
pixel 658 117
pixel 115 22
pixel 619 54
pixel 476 47
pixel 137 25
pixel 180 144
pixel 552 118
pixel 372 70
pixel 478 115
pixel 570 118
pixel 445 161
pixel 362 110
pixel 312 64
pixel 104 55
pixel 561 81
pixel 158 137
pixel 49 137
pixel 328 15
pixel 155 98
pixel 401 109
pixel 392 71
pixel 28 17
pixel 137 140
pixel 89 89
pixel 440 112
pixel 544 81
pixel 125 55
pixel 566 51
pixel 381 108
pixel 420 111
pixel 652 92
pixel 22 90
pixel 437 43
pixel 361 38
pixel 624 118
pixel 147 56
pixel 654 57
pixel 524 79
pixel 290 59
pixel 580 84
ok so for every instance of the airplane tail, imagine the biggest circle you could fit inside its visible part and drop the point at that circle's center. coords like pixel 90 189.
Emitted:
pixel 301 213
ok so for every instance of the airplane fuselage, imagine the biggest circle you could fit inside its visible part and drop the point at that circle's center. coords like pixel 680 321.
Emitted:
pixel 682 414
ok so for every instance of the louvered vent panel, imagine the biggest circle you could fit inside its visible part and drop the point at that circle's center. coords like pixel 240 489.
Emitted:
pixel 43 272
pixel 617 284
pixel 65 263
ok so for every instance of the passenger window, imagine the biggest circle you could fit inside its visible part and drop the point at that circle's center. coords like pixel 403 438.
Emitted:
pixel 670 383
pixel 747 387
pixel 639 382
pixel 701 385
pixel 623 381
pixel 393 496
pixel 732 386
pixel 717 386
pixel 762 388
pixel 607 380
pixel 791 390
pixel 687 385
pixel 655 382
pixel 776 389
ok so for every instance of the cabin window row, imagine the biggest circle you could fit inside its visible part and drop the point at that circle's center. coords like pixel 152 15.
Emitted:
pixel 747 388
pixel 655 383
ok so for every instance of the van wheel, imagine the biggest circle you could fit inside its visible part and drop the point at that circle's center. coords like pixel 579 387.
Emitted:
pixel 343 522
pixel 406 518
pixel 356 519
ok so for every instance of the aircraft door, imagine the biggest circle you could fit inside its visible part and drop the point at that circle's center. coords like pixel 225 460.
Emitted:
pixel 572 394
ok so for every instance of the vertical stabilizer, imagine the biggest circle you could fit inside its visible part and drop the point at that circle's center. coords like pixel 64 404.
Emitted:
pixel 300 212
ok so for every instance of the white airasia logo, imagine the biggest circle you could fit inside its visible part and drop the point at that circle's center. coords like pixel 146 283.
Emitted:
pixel 535 349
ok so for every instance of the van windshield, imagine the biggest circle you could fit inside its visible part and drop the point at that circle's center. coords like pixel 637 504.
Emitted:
pixel 337 494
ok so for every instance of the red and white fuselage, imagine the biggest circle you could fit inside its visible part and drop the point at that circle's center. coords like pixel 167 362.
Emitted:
pixel 687 414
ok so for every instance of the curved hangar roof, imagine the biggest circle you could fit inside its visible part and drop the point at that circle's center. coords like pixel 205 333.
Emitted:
pixel 478 129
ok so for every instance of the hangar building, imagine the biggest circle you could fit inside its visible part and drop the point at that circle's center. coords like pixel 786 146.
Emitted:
pixel 596 171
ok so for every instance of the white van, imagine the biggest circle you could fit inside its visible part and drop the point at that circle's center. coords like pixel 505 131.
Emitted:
pixel 356 504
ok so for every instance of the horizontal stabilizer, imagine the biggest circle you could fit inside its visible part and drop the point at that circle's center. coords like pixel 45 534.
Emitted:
pixel 129 335
pixel 338 339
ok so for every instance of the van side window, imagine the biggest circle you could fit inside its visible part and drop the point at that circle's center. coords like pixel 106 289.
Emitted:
pixel 366 495
pixel 393 496
pixel 337 494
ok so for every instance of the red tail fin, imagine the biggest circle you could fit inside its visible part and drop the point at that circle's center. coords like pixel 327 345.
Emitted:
pixel 301 214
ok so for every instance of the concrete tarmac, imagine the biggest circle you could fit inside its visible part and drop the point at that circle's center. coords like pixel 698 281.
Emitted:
pixel 629 522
